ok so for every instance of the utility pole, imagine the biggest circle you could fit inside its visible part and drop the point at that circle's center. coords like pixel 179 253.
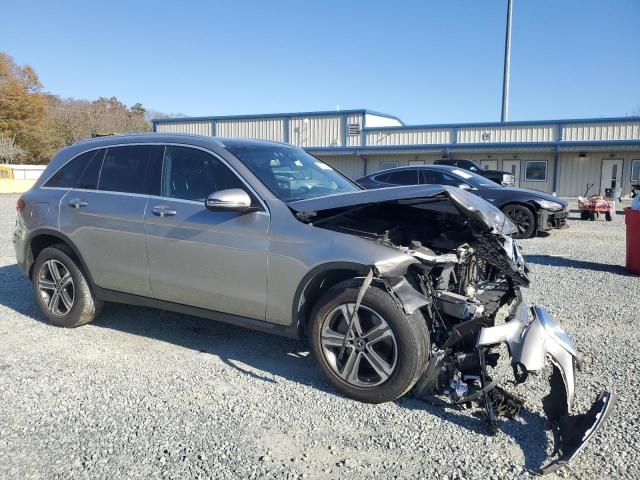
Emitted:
pixel 507 65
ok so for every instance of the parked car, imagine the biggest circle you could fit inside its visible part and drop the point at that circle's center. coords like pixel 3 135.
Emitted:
pixel 391 287
pixel 498 176
pixel 532 211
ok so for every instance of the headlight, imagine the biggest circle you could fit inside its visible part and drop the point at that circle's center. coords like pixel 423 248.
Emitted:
pixel 549 205
pixel 490 215
pixel 508 178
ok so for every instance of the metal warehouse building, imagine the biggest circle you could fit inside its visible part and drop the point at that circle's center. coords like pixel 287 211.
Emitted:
pixel 555 156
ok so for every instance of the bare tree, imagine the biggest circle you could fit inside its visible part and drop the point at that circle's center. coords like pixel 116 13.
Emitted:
pixel 9 151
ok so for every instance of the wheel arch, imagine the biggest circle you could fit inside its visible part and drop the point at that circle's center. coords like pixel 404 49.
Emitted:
pixel 43 238
pixel 315 283
pixel 530 204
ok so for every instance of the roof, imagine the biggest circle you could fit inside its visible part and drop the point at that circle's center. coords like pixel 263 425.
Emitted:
pixel 177 138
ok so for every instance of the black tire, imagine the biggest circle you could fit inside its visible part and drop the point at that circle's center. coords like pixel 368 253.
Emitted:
pixel 584 215
pixel 593 216
pixel 607 216
pixel 524 218
pixel 411 337
pixel 84 307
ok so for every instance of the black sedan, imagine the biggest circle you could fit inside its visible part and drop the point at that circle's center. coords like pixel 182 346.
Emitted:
pixel 530 210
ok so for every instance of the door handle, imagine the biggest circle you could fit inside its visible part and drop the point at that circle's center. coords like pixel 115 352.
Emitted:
pixel 163 211
pixel 77 203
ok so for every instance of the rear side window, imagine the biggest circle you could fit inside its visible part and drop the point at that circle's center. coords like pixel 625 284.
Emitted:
pixel 89 178
pixel 132 169
pixel 403 177
pixel 68 176
pixel 191 174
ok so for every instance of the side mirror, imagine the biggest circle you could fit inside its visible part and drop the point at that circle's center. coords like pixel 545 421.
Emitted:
pixel 231 200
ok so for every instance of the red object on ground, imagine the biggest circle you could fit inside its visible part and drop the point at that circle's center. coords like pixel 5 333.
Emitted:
pixel 632 220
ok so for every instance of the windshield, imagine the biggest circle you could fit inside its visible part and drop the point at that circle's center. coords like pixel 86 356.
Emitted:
pixel 291 173
pixel 473 178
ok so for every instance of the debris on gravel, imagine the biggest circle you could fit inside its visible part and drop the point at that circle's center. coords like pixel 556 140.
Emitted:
pixel 144 393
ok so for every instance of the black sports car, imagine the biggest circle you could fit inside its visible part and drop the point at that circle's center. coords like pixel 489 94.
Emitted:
pixel 532 211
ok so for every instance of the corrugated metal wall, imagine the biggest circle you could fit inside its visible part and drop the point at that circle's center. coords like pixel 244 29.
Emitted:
pixel 319 131
pixel 354 140
pixel 409 136
pixel 601 131
pixel 261 128
pixel 515 133
pixel 351 166
pixel 194 128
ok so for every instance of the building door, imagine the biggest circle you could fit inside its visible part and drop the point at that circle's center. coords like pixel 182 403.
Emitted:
pixel 513 167
pixel 489 164
pixel 611 176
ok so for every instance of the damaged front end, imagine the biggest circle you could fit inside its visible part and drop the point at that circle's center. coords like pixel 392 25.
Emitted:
pixel 457 264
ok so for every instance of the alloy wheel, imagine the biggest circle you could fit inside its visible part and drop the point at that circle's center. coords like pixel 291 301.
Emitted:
pixel 364 357
pixel 56 287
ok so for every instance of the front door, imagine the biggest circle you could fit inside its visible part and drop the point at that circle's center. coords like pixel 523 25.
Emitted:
pixel 489 164
pixel 611 176
pixel 513 167
pixel 201 258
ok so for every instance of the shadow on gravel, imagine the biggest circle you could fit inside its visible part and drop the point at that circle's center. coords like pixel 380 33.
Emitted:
pixel 551 261
pixel 528 429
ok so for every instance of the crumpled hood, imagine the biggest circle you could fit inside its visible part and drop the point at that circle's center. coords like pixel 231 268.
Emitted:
pixel 469 205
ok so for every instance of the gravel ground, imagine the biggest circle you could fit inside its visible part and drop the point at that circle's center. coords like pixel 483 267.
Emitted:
pixel 144 393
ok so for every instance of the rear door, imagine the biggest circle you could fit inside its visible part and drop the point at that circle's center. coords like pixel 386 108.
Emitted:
pixel 104 215
pixel 201 258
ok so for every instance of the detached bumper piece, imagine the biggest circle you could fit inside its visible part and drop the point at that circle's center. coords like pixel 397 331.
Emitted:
pixel 534 342
pixel 571 432
pixel 549 220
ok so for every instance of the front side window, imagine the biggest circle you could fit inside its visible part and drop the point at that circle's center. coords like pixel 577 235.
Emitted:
pixel 635 171
pixel 69 174
pixel 404 177
pixel 131 169
pixel 433 177
pixel 291 173
pixel 192 174
pixel 535 171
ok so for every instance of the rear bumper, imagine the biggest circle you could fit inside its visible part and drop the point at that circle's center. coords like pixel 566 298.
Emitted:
pixel 549 220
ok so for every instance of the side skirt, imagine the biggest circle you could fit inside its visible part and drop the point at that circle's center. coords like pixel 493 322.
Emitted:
pixel 250 323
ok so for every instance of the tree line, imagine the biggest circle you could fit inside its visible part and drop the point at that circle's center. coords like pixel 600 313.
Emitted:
pixel 34 124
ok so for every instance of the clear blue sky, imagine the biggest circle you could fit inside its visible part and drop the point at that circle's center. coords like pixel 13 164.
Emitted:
pixel 425 61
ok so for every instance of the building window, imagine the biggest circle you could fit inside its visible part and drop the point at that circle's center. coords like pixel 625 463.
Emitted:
pixel 386 164
pixel 535 171
pixel 635 170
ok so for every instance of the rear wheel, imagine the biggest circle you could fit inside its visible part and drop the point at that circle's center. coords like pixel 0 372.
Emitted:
pixel 607 216
pixel 523 217
pixel 383 356
pixel 584 215
pixel 62 290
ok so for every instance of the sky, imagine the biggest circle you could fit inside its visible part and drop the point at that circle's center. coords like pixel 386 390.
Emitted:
pixel 424 61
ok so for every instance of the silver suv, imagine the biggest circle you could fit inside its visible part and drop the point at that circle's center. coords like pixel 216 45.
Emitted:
pixel 395 288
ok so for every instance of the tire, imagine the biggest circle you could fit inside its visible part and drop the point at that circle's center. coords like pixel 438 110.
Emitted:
pixel 406 350
pixel 524 218
pixel 607 216
pixel 584 215
pixel 75 303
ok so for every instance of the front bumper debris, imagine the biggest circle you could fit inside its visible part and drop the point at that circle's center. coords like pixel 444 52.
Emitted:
pixel 534 342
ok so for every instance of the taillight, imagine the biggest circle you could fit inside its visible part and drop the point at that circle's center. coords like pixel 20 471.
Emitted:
pixel 20 205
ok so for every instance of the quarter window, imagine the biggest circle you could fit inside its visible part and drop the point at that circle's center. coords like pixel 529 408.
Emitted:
pixel 192 174
pixel 130 169
pixel 89 178
pixel 635 170
pixel 68 175
pixel 535 171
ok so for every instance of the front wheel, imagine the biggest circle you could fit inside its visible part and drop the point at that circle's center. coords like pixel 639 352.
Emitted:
pixel 383 356
pixel 524 218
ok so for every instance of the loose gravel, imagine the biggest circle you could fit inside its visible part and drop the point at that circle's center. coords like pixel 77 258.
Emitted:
pixel 142 393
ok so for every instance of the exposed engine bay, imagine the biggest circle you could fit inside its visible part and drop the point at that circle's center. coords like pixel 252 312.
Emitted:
pixel 463 271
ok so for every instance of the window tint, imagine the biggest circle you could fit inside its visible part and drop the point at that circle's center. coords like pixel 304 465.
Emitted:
pixel 192 174
pixel 67 176
pixel 89 178
pixel 404 177
pixel 126 169
pixel 383 177
pixel 434 177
